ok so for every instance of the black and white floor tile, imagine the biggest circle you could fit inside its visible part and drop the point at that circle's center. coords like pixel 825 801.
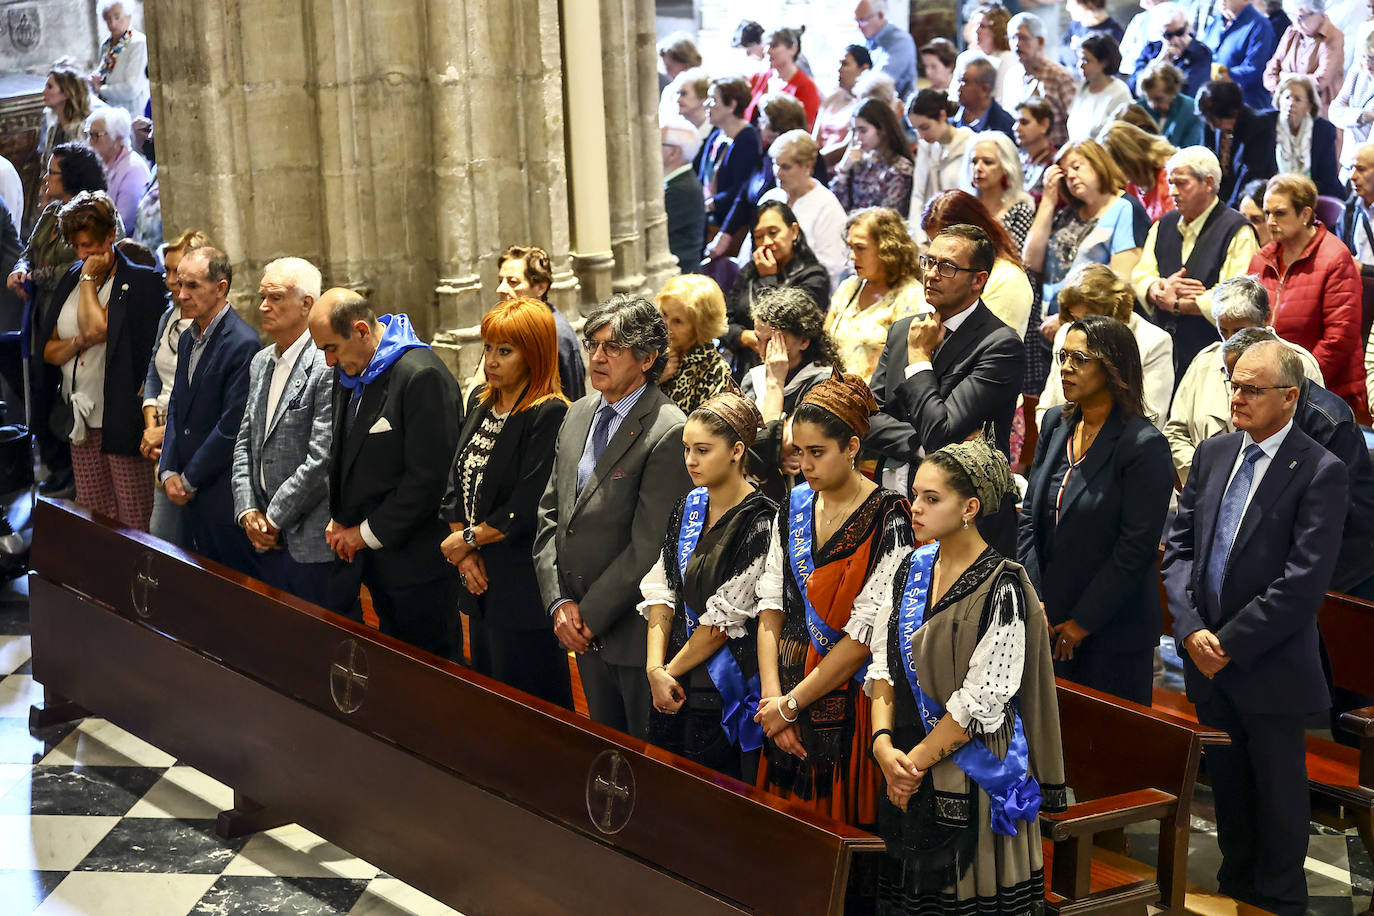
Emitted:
pixel 94 821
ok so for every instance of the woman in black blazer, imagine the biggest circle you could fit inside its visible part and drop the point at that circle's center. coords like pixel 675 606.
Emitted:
pixel 1094 512
pixel 505 454
pixel 99 333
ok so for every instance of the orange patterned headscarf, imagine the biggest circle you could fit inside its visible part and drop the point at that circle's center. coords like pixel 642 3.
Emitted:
pixel 846 396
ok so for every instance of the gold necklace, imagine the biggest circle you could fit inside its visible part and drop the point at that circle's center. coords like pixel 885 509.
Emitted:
pixel 829 518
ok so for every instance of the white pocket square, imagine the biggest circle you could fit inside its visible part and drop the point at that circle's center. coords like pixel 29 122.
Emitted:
pixel 381 426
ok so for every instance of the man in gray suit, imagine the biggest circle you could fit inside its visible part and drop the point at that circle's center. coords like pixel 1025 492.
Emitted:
pixel 617 474
pixel 281 457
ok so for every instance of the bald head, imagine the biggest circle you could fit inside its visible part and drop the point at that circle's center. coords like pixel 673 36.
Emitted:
pixel 344 327
pixel 1362 175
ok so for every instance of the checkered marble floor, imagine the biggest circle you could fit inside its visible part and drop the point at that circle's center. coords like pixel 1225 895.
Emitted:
pixel 95 821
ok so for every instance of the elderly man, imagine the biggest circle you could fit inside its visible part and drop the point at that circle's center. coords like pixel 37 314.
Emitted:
pixel 1034 74
pixel 206 409
pixel 617 474
pixel 1353 108
pixel 527 271
pixel 892 48
pixel 1189 251
pixel 1174 43
pixel 281 458
pixel 1246 566
pixel 977 108
pixel 108 131
pixel 682 195
pixel 1356 228
pixel 1202 404
pixel 396 417
pixel 1242 40
pixel 122 78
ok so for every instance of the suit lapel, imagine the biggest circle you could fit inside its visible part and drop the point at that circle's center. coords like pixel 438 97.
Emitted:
pixel 295 384
pixel 373 399
pixel 625 436
pixel 896 363
pixel 503 459
pixel 116 310
pixel 207 357
pixel 1209 504
pixel 1099 455
pixel 1282 469
pixel 576 427
pixel 955 346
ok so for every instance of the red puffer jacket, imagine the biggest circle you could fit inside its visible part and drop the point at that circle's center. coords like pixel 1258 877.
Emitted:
pixel 1316 303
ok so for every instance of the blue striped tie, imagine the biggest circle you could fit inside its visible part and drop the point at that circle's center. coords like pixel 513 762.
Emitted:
pixel 1228 521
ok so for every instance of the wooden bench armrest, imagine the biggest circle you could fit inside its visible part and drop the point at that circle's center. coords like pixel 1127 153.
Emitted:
pixel 1359 722
pixel 1110 813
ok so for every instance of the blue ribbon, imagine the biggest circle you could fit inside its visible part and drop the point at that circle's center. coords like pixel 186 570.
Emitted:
pixel 740 697
pixel 801 505
pixel 1013 792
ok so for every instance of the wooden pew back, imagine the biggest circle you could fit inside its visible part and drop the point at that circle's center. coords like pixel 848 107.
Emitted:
pixel 1347 626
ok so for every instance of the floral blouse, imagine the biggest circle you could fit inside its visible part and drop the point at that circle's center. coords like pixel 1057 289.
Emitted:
pixel 861 333
pixel 874 182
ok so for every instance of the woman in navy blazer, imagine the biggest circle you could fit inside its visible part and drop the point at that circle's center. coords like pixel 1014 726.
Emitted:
pixel 1093 514
pixel 1297 109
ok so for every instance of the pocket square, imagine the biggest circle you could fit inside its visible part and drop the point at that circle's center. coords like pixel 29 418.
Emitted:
pixel 618 474
pixel 381 426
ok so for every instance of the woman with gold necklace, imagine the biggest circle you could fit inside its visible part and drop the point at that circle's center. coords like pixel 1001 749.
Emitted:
pixel 1094 511
pixel 835 547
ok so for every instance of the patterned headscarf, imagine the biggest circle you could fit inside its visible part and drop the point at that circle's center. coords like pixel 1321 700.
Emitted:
pixel 986 468
pixel 741 414
pixel 846 396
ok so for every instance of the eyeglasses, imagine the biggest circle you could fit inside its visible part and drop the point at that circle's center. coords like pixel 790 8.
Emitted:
pixel 1249 392
pixel 1077 357
pixel 608 349
pixel 1176 33
pixel 944 268
pixel 96 134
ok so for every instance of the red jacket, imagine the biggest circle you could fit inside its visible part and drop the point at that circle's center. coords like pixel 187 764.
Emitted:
pixel 1316 303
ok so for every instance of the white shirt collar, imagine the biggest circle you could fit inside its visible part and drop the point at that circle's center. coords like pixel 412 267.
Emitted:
pixel 1269 446
pixel 952 324
pixel 293 352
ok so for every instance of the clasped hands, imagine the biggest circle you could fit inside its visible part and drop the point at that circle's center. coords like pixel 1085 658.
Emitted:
pixel 900 771
pixel 263 534
pixel 468 559
pixel 1206 652
pixel 345 542
pixel 1178 293
pixel 571 630
pixel 776 727
pixel 668 693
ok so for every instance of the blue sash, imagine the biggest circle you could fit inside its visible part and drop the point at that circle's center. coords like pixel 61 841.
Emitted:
pixel 801 507
pixel 741 697
pixel 1014 793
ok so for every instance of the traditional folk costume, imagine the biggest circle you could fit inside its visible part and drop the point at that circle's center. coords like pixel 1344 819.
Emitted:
pixel 708 577
pixel 968 841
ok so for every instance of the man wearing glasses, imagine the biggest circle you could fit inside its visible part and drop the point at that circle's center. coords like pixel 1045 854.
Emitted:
pixel 1174 43
pixel 944 375
pixel 1247 563
pixel 617 476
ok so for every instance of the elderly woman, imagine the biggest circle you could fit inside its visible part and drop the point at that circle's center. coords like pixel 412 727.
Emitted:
pixel 730 156
pixel 505 454
pixel 940 151
pixel 1312 46
pixel 122 78
pixel 694 310
pixel 877 169
pixel 1141 157
pixel 1306 140
pixel 1092 289
pixel 819 213
pixel 1161 87
pixel 1353 108
pixel 992 170
pixel 987 28
pixel 1314 286
pixel 885 287
pixel 782 257
pixel 108 131
pixel 1100 223
pixel 66 103
pixel 783 74
pixel 693 87
pixel 72 169
pixel 1008 293
pixel 831 130
pixel 778 114
pixel 1102 90
pixel 100 335
pixel 1094 512
pixel 678 54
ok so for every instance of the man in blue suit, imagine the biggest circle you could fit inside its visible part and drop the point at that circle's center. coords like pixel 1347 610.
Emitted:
pixel 1246 566
pixel 1242 40
pixel 206 408
pixel 281 458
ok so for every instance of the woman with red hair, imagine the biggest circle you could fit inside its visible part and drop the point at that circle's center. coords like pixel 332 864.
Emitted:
pixel 505 454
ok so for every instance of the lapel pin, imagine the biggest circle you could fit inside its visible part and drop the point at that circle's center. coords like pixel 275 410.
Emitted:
pixel 1293 465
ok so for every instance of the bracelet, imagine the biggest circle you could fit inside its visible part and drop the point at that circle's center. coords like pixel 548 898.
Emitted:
pixel 876 735
pixel 87 278
pixel 784 715
pixel 656 667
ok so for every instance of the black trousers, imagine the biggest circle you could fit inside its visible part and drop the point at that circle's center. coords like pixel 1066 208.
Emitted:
pixel 1129 675
pixel 617 695
pixel 307 581
pixel 1260 786
pixel 227 544
pixel 529 660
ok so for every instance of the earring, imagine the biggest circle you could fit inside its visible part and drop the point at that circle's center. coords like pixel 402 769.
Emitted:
pixel 965 523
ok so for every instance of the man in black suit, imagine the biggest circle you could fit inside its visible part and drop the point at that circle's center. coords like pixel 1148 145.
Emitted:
pixel 1242 140
pixel 1246 566
pixel 946 375
pixel 396 418
pixel 682 200
pixel 206 409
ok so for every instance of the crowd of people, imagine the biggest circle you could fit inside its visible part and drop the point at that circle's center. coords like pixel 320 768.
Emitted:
pixel 954 350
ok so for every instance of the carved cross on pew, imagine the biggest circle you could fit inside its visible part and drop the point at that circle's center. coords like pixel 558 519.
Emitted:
pixel 613 795
pixel 348 676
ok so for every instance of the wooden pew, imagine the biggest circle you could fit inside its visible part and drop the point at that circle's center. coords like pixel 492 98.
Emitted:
pixel 1340 778
pixel 488 799
pixel 1126 764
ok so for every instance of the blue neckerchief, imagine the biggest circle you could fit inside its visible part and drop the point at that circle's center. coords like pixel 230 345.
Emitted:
pixel 397 337
pixel 741 697
pixel 824 637
pixel 1014 793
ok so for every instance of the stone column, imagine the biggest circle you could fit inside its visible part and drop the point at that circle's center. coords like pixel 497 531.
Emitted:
pixel 623 153
pixel 589 164
pixel 659 261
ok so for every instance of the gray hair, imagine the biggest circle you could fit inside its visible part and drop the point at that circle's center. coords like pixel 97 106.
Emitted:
pixel 107 5
pixel 1007 156
pixel 796 146
pixel 875 84
pixel 1244 339
pixel 1369 45
pixel 1241 298
pixel 1199 160
pixel 1034 24
pixel 635 323
pixel 1293 7
pixel 878 6
pixel 682 133
pixel 1289 365
pixel 297 274
pixel 1163 14
pixel 985 72
pixel 116 120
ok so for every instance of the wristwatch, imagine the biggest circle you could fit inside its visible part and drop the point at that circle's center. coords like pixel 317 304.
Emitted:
pixel 470 538
pixel 791 703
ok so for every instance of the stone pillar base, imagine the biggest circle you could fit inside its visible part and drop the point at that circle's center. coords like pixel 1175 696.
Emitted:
pixel 594 274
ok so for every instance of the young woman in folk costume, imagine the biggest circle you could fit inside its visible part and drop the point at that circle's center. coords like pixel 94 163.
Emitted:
pixel 834 550
pixel 699 597
pixel 965 714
